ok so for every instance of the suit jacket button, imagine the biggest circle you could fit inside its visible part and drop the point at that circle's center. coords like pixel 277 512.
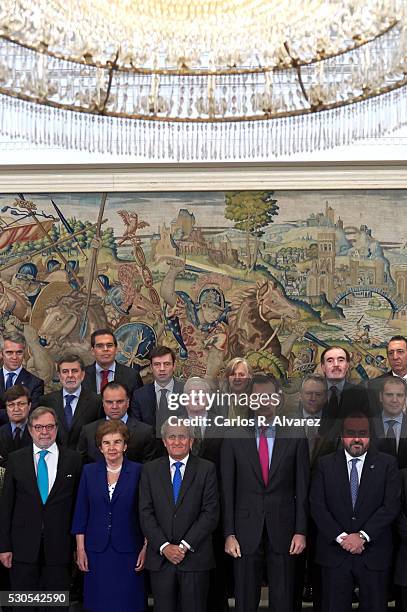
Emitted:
pixel 353 518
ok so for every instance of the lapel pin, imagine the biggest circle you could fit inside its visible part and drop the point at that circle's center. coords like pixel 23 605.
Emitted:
pixel 69 475
pixel 372 466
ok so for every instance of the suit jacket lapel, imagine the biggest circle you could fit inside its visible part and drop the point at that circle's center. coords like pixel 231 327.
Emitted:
pixel 59 477
pixel 341 477
pixel 122 482
pixel 250 448
pixel 92 377
pixel 60 409
pixel 279 449
pixel 367 477
pixel 81 408
pixel 164 474
pixel 189 475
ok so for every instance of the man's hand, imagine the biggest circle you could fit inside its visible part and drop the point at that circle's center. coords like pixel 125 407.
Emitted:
pixel 6 558
pixel 174 553
pixel 232 547
pixel 297 544
pixel 353 543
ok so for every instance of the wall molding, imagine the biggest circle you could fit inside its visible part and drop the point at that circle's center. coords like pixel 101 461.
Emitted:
pixel 202 177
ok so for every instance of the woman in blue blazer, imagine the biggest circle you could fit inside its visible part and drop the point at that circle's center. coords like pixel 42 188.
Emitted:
pixel 110 545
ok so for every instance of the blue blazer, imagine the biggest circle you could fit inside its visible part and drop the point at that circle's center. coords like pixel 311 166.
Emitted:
pixel 104 521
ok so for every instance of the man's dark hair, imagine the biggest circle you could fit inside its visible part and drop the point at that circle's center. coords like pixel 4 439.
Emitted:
pixel 70 358
pixel 329 348
pixel 113 386
pixel 15 392
pixel 260 378
pixel 397 338
pixel 104 331
pixel 355 415
pixel 160 351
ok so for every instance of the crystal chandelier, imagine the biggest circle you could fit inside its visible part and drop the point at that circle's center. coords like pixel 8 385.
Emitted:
pixel 202 79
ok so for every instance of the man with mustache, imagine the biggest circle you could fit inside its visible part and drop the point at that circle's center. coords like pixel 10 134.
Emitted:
pixel 355 499
pixel 343 397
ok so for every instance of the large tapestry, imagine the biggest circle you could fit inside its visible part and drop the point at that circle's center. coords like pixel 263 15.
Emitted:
pixel 272 276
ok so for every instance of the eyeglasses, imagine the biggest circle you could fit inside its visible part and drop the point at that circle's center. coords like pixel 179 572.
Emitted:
pixel 16 404
pixel 40 428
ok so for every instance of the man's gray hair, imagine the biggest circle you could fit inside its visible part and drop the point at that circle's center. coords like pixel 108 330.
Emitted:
pixel 181 422
pixel 15 337
pixel 196 382
pixel 39 412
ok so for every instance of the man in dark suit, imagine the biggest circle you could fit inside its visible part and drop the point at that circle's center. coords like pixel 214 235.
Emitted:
pixel 207 444
pixel 152 403
pixel 142 444
pixel 14 434
pixel 13 347
pixel 179 510
pixel 265 475
pixel 106 369
pixel 36 509
pixel 74 405
pixel 397 358
pixel 313 396
pixel 355 499
pixel 391 424
pixel 343 397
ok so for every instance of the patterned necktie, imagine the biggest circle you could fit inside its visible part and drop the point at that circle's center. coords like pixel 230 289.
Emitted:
pixel 42 476
pixel 391 437
pixel 264 455
pixel 177 480
pixel 354 481
pixel 68 410
pixel 104 380
pixel 17 438
pixel 9 381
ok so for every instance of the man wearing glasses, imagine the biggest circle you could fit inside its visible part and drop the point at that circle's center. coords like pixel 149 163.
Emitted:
pixel 36 509
pixel 106 369
pixel 15 435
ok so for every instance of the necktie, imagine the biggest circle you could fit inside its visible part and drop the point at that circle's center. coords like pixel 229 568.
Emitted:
pixel 264 455
pixel 333 403
pixel 177 480
pixel 17 438
pixel 162 409
pixel 354 481
pixel 104 380
pixel 197 444
pixel 10 378
pixel 391 437
pixel 42 476
pixel 68 410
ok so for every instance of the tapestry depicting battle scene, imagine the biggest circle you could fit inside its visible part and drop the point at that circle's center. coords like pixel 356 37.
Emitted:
pixel 271 276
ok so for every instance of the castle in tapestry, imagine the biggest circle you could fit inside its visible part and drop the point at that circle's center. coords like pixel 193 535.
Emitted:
pixel 272 276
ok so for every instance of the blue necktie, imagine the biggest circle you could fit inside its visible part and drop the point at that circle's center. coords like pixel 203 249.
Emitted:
pixel 177 480
pixel 42 476
pixel 68 409
pixel 354 481
pixel 10 378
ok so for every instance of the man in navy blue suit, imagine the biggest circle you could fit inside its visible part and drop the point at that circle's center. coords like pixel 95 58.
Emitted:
pixel 355 499
pixel 150 404
pixel 14 435
pixel 12 347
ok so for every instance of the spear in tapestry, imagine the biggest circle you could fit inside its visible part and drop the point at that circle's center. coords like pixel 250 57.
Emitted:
pixel 95 245
pixel 68 228
pixel 30 207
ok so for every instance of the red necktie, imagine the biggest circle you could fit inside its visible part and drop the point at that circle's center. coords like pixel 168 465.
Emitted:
pixel 264 455
pixel 105 379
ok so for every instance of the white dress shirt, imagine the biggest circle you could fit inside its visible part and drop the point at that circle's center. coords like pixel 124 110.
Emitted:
pixel 184 462
pixel 75 401
pixel 99 370
pixel 51 459
pixel 359 468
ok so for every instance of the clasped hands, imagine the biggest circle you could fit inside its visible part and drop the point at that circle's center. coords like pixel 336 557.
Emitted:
pixel 297 545
pixel 353 543
pixel 175 553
